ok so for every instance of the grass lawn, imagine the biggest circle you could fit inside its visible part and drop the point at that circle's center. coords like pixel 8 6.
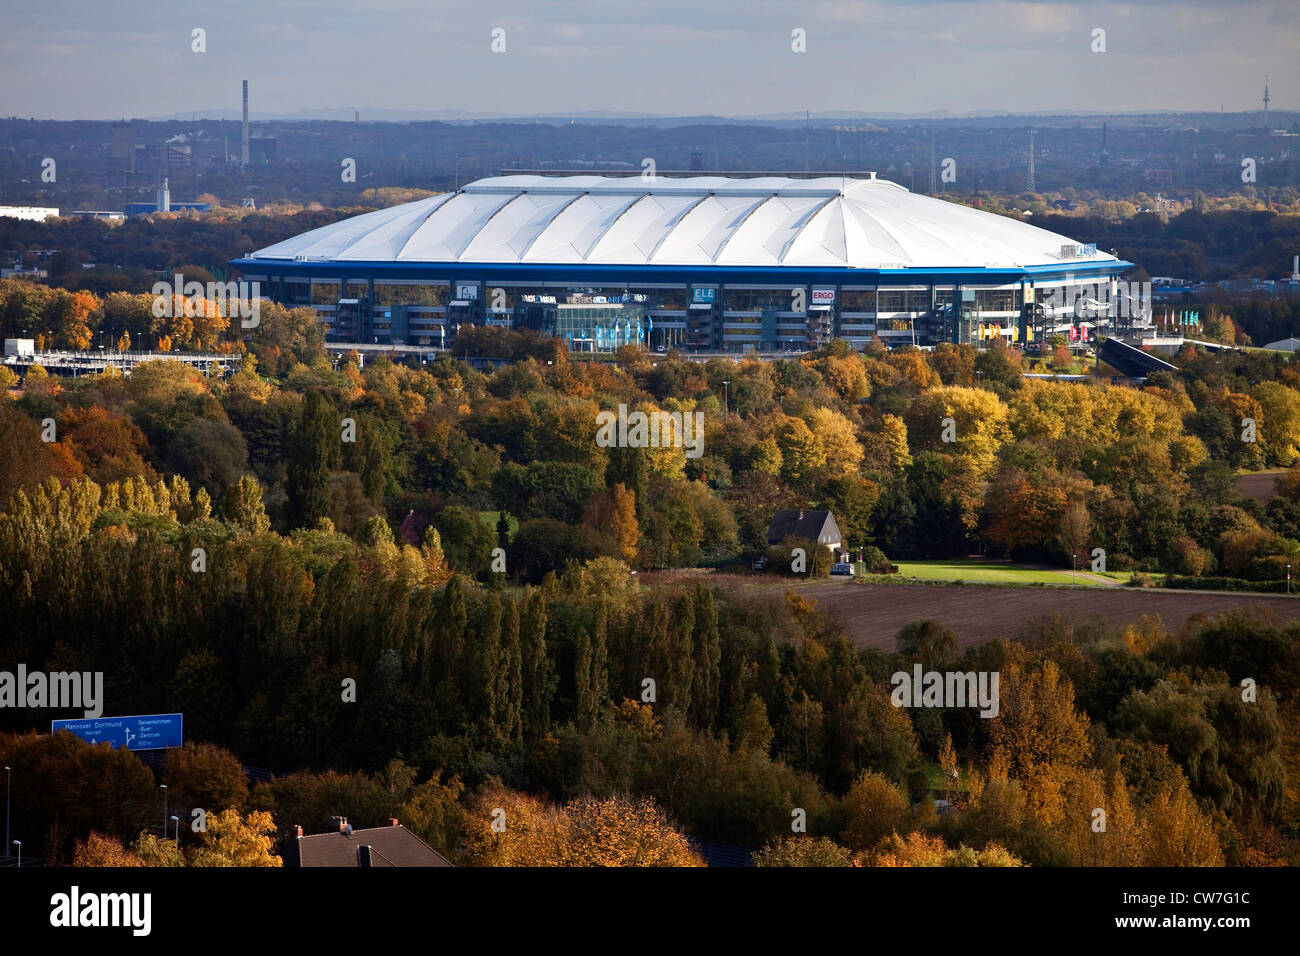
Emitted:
pixel 490 518
pixel 1123 576
pixel 936 780
pixel 992 572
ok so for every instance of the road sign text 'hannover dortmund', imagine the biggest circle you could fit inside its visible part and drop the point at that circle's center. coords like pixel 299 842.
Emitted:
pixel 147 732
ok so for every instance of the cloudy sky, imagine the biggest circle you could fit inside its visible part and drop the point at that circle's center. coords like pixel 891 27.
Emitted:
pixel 101 59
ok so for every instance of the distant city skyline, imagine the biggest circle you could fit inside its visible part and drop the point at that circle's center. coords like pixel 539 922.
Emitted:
pixel 68 60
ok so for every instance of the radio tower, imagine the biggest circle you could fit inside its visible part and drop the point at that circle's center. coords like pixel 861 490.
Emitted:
pixel 1266 102
pixel 243 157
pixel 1029 180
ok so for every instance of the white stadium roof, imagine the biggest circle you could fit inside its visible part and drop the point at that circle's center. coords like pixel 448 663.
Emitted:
pixel 701 221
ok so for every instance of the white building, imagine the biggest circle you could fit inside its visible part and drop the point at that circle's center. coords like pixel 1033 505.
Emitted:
pixel 32 213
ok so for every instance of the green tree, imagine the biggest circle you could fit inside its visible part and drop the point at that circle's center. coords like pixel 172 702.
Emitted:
pixel 313 450
pixel 243 505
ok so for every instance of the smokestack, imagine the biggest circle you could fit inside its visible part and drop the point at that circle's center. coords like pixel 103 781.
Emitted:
pixel 933 172
pixel 244 157
pixel 297 832
pixel 1029 179
pixel 392 821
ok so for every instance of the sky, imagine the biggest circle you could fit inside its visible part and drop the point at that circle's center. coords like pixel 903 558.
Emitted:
pixel 110 59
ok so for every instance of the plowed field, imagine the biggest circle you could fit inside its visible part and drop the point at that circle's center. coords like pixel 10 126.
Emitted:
pixel 872 614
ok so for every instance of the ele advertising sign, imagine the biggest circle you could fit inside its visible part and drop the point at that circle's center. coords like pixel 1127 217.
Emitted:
pixel 147 732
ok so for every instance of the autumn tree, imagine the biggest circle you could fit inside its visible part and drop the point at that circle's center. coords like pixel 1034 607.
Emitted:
pixel 585 832
pixel 206 776
pixel 803 851
pixel 154 850
pixel 1075 530
pixel 1038 736
pixel 243 505
pixel 978 426
pixel 874 807
pixel 1176 833
pixel 232 839
pixel 99 850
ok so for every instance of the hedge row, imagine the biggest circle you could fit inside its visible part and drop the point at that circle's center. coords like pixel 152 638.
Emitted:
pixel 1190 583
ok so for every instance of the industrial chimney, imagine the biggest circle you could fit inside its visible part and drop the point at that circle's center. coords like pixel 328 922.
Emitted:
pixel 1029 179
pixel 244 156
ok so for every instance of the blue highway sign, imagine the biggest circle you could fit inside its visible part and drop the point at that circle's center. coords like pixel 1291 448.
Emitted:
pixel 148 732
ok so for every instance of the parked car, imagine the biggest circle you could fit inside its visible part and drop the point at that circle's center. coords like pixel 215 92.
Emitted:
pixel 842 569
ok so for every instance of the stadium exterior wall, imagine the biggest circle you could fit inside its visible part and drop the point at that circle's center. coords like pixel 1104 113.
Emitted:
pixel 355 315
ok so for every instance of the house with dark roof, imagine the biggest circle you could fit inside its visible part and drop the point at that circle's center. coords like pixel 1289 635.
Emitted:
pixel 811 525
pixel 393 845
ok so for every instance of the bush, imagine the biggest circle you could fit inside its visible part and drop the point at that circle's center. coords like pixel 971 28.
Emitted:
pixel 874 560
pixel 1188 583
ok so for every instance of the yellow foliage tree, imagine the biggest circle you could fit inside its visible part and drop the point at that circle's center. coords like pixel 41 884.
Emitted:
pixel 1038 736
pixel 801 451
pixel 874 808
pixel 803 851
pixel 979 424
pixel 513 829
pixel 837 436
pixel 1176 833
pixel 623 524
pixel 99 850
pixel 233 839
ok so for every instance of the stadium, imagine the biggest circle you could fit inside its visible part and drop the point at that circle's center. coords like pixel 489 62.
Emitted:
pixel 699 263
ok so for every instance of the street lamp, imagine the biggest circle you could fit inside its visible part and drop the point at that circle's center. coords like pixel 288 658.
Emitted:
pixel 1074 566
pixel 19 844
pixel 9 775
pixel 726 383
pixel 176 820
pixel 1288 586
pixel 163 788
